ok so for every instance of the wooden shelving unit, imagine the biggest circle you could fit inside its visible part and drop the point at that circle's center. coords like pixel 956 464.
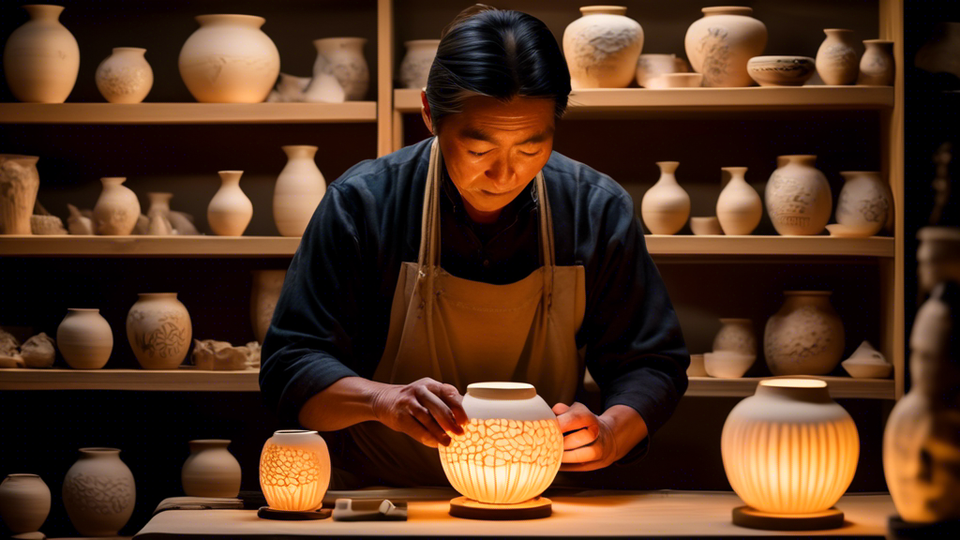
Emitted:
pixel 187 113
pixel 183 379
pixel 840 387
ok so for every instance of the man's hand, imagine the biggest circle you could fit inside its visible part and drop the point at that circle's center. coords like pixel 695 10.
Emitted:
pixel 593 442
pixel 425 410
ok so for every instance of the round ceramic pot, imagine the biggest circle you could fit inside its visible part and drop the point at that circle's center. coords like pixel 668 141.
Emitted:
pixel 837 58
pixel 781 70
pixel 798 197
pixel 602 48
pixel 666 206
pixel 416 64
pixel 736 335
pixel 267 285
pixel 727 364
pixel 739 208
pixel 805 337
pixel 85 339
pixel 294 470
pixel 343 58
pixel 298 191
pixel 864 202
pixel 41 58
pixel 229 211
pixel 159 214
pixel 652 66
pixel 229 60
pixel 24 503
pixel 19 183
pixel 705 226
pixel 117 209
pixel 159 330
pixel 124 76
pixel 99 492
pixel 211 470
pixel 789 448
pixel 877 65
pixel 512 436
pixel 720 44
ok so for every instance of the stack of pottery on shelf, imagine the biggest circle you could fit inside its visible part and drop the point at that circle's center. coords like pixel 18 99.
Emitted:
pixel 665 207
pixel 602 48
pixel 85 339
pixel 298 190
pixel 211 470
pixel 416 64
pixel 24 504
pixel 867 363
pixel 230 210
pixel 159 330
pixel 99 492
pixel 734 350
pixel 864 206
pixel 721 43
pixel 805 337
pixel 739 208
pixel 124 76
pixel 41 59
pixel 798 197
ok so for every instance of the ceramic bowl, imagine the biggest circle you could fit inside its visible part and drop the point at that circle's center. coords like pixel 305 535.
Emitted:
pixel 845 231
pixel 705 226
pixel 677 80
pixel 696 366
pixel 781 70
pixel 867 370
pixel 727 364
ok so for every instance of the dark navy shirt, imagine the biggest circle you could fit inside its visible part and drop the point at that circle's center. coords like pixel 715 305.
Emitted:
pixel 333 314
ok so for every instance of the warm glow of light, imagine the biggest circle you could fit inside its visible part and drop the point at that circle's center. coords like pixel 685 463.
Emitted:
pixel 295 470
pixel 794 383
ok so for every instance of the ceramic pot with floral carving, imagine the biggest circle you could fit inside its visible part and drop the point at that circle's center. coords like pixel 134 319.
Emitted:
pixel 805 337
pixel 864 202
pixel 99 492
pixel 24 503
pixel 298 190
pixel 721 43
pixel 739 208
pixel 877 64
pixel 124 76
pixel 85 339
pixel 343 58
pixel 602 48
pixel 159 330
pixel 416 64
pixel 837 59
pixel 230 210
pixel 117 209
pixel 267 285
pixel 211 470
pixel 798 197
pixel 666 206
pixel 19 183
pixel 41 59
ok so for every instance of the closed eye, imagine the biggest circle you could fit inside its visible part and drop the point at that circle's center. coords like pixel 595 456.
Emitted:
pixel 478 153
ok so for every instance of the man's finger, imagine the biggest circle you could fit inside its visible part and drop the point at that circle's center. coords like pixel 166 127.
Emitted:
pixel 581 437
pixel 584 454
pixel 439 411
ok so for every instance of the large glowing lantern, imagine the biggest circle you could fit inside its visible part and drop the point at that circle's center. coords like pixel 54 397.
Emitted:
pixel 790 452
pixel 294 471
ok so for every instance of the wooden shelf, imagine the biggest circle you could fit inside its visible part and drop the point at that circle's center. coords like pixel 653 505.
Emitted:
pixel 188 113
pixel 840 387
pixel 184 379
pixel 770 245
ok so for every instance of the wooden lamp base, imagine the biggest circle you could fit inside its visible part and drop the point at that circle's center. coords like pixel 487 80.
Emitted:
pixel 463 507
pixel 265 512
pixel 745 516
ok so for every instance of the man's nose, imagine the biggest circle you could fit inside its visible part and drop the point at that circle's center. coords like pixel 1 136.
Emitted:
pixel 501 172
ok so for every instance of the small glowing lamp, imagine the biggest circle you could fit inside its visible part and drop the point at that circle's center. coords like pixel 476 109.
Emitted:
pixel 509 454
pixel 294 475
pixel 789 452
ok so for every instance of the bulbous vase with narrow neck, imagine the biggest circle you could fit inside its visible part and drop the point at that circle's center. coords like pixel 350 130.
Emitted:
pixel 666 206
pixel 41 59
pixel 837 58
pixel 298 191
pixel 230 210
pixel 739 208
pixel 117 209
pixel 798 197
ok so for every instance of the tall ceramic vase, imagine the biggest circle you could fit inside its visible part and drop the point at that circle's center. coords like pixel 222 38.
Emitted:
pixel 666 206
pixel 229 211
pixel 211 470
pixel 877 65
pixel 159 214
pixel 798 197
pixel 805 337
pixel 24 503
pixel 229 60
pixel 41 58
pixel 159 330
pixel 602 48
pixel 343 58
pixel 837 58
pixel 99 492
pixel 864 202
pixel 720 44
pixel 85 339
pixel 739 208
pixel 298 191
pixel 117 209
pixel 124 76
pixel 267 285
pixel 415 68
pixel 19 183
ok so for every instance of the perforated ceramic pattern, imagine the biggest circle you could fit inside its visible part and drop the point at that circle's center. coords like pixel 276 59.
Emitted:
pixel 292 478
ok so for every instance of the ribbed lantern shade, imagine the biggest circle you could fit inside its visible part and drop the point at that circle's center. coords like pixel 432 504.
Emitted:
pixel 294 470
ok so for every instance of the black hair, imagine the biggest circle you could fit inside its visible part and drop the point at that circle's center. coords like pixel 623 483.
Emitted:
pixel 496 53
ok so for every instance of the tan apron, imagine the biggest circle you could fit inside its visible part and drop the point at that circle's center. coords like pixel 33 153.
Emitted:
pixel 459 331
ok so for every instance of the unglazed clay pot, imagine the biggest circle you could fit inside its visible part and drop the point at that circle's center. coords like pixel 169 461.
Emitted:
pixel 736 335
pixel 739 208
pixel 159 214
pixel 720 44
pixel 229 211
pixel 781 70
pixel 864 202
pixel 117 209
pixel 159 330
pixel 124 76
pixel 696 369
pixel 99 492
pixel 705 226
pixel 267 285
pixel 229 60
pixel 85 339
pixel 652 66
pixel 805 337
pixel 512 436
pixel 294 470
pixel 298 191
pixel 19 183
pixel 867 363
pixel 41 58
pixel 798 197
pixel 415 68
pixel 727 364
pixel 24 503
pixel 602 48
pixel 211 470
pixel 343 58
pixel 837 58
pixel 877 65
pixel 666 206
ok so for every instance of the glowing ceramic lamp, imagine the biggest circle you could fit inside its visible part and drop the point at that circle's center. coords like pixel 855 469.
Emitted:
pixel 294 475
pixel 790 453
pixel 509 453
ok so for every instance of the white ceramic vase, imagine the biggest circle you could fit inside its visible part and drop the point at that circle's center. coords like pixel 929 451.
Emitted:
pixel 117 209
pixel 739 208
pixel 837 59
pixel 864 202
pixel 124 76
pixel 736 335
pixel 159 214
pixel 85 339
pixel 602 48
pixel 229 60
pixel 41 59
pixel 295 470
pixel 159 330
pixel 877 65
pixel 721 43
pixel 416 64
pixel 99 492
pixel 24 503
pixel 665 207
pixel 343 58
pixel 805 337
pixel 229 211
pixel 19 183
pixel 298 191
pixel 211 470
pixel 798 196
pixel 265 292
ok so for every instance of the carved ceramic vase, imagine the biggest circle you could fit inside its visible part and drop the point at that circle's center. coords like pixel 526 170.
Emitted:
pixel 24 503
pixel 229 60
pixel 298 191
pixel 666 206
pixel 159 214
pixel 739 208
pixel 19 183
pixel 159 330
pixel 602 48
pixel 211 470
pixel 117 209
pixel 295 470
pixel 41 58
pixel 736 335
pixel 229 211
pixel 864 202
pixel 651 66
pixel 511 448
pixel 267 285
pixel 85 339
pixel 416 64
pixel 124 76
pixel 798 197
pixel 837 59
pixel 99 492
pixel 721 43
pixel 805 337
pixel 343 58
pixel 877 64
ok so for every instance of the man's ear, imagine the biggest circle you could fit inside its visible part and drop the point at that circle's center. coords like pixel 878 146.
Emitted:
pixel 425 112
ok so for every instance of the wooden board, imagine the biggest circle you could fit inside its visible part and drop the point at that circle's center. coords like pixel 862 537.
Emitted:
pixel 187 113
pixel 184 379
